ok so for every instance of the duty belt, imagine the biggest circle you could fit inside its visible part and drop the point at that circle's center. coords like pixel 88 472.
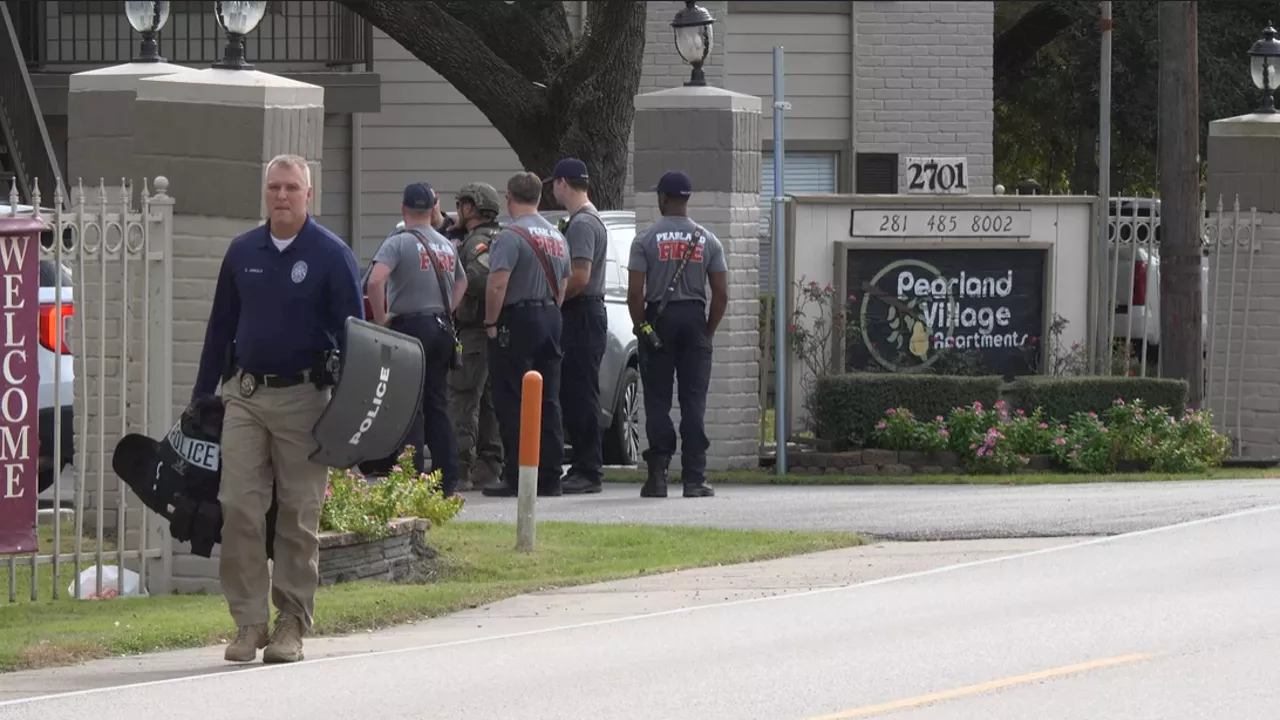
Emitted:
pixel 532 303
pixel 272 380
pixel 583 299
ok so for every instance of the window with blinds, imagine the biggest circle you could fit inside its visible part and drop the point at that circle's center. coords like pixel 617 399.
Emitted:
pixel 805 174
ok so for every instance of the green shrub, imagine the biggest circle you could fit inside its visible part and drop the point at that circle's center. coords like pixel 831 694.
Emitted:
pixel 846 408
pixel 1062 397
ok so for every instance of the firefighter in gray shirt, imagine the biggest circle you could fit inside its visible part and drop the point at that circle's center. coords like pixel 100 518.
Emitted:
pixel 418 270
pixel 528 271
pixel 585 326
pixel 672 263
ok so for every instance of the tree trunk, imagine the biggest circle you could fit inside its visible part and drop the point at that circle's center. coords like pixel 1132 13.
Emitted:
pixel 1178 146
pixel 548 95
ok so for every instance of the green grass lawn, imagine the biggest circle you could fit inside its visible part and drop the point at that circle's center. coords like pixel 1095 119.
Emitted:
pixel 769 477
pixel 477 565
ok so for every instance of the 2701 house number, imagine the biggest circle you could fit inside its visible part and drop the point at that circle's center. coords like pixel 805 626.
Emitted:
pixel 937 175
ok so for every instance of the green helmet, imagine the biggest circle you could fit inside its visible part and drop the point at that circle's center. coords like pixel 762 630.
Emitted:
pixel 482 195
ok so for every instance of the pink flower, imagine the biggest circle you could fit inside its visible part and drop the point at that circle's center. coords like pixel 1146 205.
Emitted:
pixel 1059 441
pixel 890 411
pixel 1043 426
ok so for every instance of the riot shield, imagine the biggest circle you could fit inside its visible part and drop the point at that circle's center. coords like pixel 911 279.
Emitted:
pixel 378 394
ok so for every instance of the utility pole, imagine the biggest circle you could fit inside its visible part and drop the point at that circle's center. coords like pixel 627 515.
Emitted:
pixel 1181 318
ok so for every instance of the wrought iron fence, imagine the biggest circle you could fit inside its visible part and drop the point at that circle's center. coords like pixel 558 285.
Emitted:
pixel 106 319
pixel 93 32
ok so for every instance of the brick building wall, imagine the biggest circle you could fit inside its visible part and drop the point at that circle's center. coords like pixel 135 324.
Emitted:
pixel 923 82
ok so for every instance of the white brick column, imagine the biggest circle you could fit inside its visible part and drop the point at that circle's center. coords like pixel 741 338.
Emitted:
pixel 213 131
pixel 714 136
pixel 1243 302
pixel 663 67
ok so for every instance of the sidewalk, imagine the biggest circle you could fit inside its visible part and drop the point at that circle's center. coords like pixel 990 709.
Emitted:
pixel 554 608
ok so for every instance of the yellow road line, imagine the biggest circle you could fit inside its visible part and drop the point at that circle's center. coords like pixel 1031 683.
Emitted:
pixel 985 687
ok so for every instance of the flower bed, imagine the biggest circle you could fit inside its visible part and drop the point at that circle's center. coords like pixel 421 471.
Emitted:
pixel 1128 436
pixel 376 527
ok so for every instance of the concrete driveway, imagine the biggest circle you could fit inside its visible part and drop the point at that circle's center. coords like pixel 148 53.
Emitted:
pixel 922 512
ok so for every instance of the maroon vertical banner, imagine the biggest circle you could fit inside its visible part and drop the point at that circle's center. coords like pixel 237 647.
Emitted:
pixel 19 382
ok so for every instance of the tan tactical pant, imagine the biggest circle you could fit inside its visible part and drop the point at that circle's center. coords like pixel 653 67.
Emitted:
pixel 475 424
pixel 268 436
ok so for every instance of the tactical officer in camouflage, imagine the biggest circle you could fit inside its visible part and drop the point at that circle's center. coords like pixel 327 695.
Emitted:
pixel 475 424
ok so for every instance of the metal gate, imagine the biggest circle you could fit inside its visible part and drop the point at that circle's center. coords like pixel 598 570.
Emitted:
pixel 106 330
pixel 1232 241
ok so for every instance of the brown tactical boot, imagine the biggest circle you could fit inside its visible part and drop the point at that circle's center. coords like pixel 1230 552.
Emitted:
pixel 286 641
pixel 248 640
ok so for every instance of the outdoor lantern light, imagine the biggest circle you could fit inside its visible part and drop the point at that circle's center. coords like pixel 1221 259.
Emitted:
pixel 1263 58
pixel 694 38
pixel 147 18
pixel 238 18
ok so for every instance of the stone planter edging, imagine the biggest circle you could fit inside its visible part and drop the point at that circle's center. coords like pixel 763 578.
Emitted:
pixel 345 557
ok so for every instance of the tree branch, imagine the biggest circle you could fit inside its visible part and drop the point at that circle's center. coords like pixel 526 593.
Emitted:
pixel 606 41
pixel 532 36
pixel 1017 46
pixel 461 56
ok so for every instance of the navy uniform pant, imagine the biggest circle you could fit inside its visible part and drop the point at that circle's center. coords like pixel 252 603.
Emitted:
pixel 685 358
pixel 583 340
pixel 431 425
pixel 528 339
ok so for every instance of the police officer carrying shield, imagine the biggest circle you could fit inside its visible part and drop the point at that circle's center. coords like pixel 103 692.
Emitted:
pixel 585 325
pixel 419 273
pixel 475 424
pixel 528 270
pixel 280 306
pixel 672 263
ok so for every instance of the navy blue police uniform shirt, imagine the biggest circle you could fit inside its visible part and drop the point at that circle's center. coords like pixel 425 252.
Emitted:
pixel 282 309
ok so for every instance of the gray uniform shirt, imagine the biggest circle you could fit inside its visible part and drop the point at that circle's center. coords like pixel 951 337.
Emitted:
pixel 588 240
pixel 510 251
pixel 656 251
pixel 412 286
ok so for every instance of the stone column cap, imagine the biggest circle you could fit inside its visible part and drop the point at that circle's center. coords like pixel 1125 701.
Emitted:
pixel 120 77
pixel 250 88
pixel 1251 125
pixel 698 98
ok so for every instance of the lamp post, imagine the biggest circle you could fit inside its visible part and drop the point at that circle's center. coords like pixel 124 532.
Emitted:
pixel 238 18
pixel 147 17
pixel 694 37
pixel 1263 58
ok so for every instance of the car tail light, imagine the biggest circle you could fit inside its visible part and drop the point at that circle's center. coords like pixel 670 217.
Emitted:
pixel 53 326
pixel 1139 283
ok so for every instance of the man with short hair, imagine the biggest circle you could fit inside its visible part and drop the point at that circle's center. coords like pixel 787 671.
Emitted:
pixel 672 263
pixel 283 296
pixel 585 326
pixel 528 270
pixel 475 424
pixel 418 270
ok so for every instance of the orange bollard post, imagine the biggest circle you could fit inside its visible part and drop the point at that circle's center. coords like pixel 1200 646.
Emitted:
pixel 530 454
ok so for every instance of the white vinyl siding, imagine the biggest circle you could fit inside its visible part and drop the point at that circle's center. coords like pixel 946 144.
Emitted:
pixel 804 174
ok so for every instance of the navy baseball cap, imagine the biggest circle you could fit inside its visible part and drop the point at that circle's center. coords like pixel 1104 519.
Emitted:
pixel 674 183
pixel 569 169
pixel 419 196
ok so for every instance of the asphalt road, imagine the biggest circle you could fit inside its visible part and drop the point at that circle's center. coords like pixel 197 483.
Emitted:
pixel 903 512
pixel 1176 622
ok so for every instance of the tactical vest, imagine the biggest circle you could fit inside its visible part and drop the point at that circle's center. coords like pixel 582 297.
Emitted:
pixel 475 262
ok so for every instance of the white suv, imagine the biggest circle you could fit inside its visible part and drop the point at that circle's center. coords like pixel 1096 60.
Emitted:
pixel 54 351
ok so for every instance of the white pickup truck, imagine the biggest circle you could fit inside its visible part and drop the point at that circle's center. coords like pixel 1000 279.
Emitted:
pixel 1134 263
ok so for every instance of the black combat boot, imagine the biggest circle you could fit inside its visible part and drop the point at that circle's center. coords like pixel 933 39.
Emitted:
pixel 656 485
pixel 698 488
